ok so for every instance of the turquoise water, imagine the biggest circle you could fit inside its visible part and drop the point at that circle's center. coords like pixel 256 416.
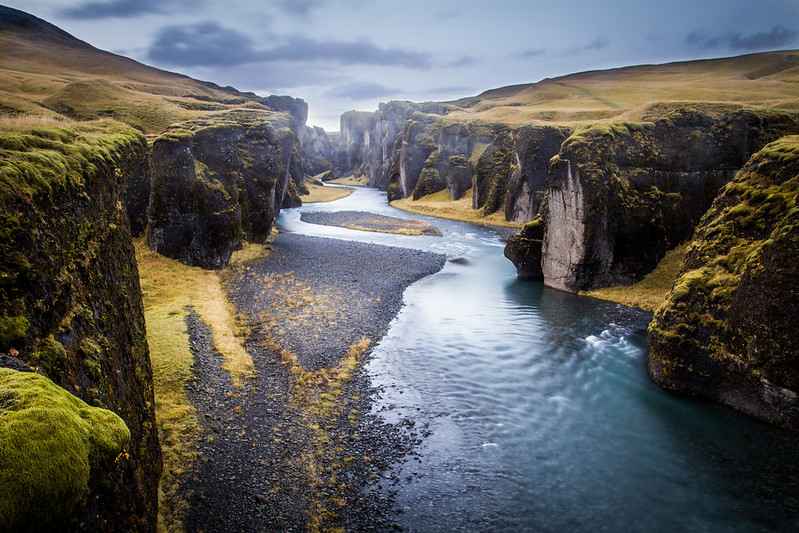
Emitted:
pixel 540 412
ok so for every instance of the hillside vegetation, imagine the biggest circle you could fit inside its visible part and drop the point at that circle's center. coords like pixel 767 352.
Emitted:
pixel 46 71
pixel 640 92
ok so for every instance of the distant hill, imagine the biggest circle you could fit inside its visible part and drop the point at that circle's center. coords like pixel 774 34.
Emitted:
pixel 769 79
pixel 46 71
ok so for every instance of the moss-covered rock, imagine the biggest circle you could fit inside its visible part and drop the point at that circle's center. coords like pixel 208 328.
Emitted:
pixel 55 451
pixel 70 302
pixel 622 194
pixel 727 329
pixel 217 181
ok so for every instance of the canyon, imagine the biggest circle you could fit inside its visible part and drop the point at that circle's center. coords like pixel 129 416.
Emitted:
pixel 120 182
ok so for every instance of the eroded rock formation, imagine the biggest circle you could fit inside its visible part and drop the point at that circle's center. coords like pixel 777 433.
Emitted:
pixel 217 181
pixel 622 194
pixel 727 329
pixel 70 307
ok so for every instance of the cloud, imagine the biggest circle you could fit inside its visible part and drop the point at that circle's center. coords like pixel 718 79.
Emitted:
pixel 202 45
pixel 777 37
pixel 597 44
pixel 122 8
pixel 210 44
pixel 299 8
pixel 463 61
pixel 449 90
pixel 531 52
pixel 361 91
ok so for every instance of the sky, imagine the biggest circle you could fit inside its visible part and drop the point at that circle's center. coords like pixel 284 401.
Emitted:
pixel 340 55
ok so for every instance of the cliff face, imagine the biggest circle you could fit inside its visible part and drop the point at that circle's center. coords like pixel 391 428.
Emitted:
pixel 353 137
pixel 727 329
pixel 620 195
pixel 217 181
pixel 70 307
pixel 318 150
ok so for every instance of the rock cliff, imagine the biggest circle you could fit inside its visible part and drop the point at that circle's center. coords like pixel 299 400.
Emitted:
pixel 622 194
pixel 218 181
pixel 70 307
pixel 727 329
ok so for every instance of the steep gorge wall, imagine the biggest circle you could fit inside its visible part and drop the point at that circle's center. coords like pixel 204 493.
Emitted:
pixel 621 195
pixel 218 181
pixel 727 329
pixel 70 308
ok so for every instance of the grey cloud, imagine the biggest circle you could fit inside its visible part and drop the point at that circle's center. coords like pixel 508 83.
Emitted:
pixel 209 44
pixel 463 61
pixel 361 91
pixel 777 37
pixel 202 45
pixel 121 8
pixel 597 44
pixel 531 52
pixel 299 8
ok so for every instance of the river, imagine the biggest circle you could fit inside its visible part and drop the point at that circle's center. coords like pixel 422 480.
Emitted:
pixel 541 416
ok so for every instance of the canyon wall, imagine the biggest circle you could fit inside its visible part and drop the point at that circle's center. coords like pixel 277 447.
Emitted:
pixel 620 195
pixel 218 181
pixel 727 329
pixel 80 449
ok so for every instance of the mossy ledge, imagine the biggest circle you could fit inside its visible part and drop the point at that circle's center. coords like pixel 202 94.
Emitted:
pixel 53 448
pixel 70 302
pixel 726 330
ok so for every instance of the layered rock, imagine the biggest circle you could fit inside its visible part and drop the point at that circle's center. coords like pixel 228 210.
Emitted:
pixel 70 307
pixel 218 181
pixel 727 329
pixel 620 195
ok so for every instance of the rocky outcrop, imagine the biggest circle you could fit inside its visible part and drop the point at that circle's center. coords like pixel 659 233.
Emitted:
pixel 727 329
pixel 352 141
pixel 621 195
pixel 218 181
pixel 297 108
pixel 318 150
pixel 137 197
pixel 524 250
pixel 70 307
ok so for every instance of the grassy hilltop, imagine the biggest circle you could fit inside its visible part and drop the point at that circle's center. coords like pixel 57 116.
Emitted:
pixel 634 93
pixel 46 71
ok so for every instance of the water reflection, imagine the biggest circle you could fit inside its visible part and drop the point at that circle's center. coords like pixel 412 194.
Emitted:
pixel 541 412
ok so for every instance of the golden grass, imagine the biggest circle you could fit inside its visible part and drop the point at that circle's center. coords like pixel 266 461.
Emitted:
pixel 170 289
pixel 320 193
pixel 27 122
pixel 361 181
pixel 54 77
pixel 651 291
pixel 759 80
pixel 440 205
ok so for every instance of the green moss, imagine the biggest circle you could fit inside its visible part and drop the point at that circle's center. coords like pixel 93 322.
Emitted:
pixel 12 328
pixel 51 445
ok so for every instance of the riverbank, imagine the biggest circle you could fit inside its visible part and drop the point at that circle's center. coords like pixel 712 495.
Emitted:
pixel 651 291
pixel 319 193
pixel 439 205
pixel 363 221
pixel 297 447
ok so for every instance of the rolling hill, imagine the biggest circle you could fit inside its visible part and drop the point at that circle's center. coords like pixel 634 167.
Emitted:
pixel 46 71
pixel 769 79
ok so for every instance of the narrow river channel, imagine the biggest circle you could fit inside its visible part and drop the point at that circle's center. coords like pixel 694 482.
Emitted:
pixel 541 416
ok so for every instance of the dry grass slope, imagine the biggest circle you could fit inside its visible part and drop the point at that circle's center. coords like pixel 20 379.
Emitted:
pixel 769 79
pixel 45 71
